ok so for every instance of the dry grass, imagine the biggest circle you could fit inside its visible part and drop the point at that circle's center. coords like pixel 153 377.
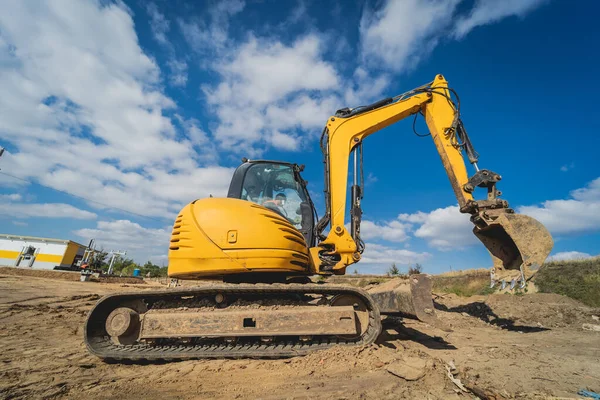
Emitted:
pixel 463 283
pixel 356 280
pixel 578 279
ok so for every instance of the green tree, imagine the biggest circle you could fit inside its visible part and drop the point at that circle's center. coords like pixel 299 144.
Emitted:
pixel 393 270
pixel 150 269
pixel 124 266
pixel 97 260
pixel 416 269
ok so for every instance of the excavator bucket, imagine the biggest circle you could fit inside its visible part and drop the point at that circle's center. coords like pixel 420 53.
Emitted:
pixel 518 245
pixel 411 298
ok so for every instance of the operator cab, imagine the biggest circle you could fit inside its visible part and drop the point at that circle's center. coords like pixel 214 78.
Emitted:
pixel 279 187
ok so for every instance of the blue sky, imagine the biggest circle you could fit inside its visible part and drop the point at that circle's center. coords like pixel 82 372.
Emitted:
pixel 145 106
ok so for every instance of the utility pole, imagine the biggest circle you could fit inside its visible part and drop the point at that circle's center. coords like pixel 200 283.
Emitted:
pixel 114 254
pixel 1 152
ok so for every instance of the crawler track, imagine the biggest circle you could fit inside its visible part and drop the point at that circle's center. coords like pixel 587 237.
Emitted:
pixel 100 344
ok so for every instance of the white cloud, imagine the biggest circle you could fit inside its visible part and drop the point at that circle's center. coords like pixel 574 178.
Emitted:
pixel 44 210
pixel 140 243
pixel 179 75
pixel 82 107
pixel 402 32
pixel 378 258
pixel 200 140
pixel 263 71
pixel 448 229
pixel 20 223
pixel 569 255
pixel 370 179
pixel 159 24
pixel 590 193
pixel 12 205
pixel 580 213
pixel 365 87
pixel 567 167
pixel 283 141
pixel 10 197
pixel 269 93
pixel 300 111
pixel 7 182
pixel 269 89
pixel 443 228
pixel 298 13
pixel 392 231
pixel 212 35
pixel 489 11
pixel 275 94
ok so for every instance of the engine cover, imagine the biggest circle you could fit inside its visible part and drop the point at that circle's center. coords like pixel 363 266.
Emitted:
pixel 223 236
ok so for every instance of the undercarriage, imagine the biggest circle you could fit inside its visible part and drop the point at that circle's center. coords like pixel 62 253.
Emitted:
pixel 230 321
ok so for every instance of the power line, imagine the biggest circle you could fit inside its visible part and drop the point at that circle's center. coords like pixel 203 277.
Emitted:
pixel 81 197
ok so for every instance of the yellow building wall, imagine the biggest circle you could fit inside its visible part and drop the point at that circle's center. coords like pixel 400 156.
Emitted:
pixel 9 254
pixel 70 254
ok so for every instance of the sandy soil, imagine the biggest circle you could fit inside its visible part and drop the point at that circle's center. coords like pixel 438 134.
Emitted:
pixel 68 275
pixel 502 346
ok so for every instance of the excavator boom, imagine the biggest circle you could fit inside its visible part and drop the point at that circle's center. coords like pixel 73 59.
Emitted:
pixel 517 243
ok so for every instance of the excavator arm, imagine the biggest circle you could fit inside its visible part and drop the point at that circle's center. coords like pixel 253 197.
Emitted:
pixel 518 244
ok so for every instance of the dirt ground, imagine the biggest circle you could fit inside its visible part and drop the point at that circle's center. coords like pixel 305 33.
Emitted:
pixel 502 346
pixel 68 275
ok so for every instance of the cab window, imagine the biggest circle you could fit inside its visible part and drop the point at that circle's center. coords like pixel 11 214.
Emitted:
pixel 274 186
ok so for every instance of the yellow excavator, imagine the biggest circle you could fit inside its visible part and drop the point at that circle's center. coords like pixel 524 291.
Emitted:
pixel 261 244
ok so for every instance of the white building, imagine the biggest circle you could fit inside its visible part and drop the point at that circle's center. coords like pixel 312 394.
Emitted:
pixel 39 253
